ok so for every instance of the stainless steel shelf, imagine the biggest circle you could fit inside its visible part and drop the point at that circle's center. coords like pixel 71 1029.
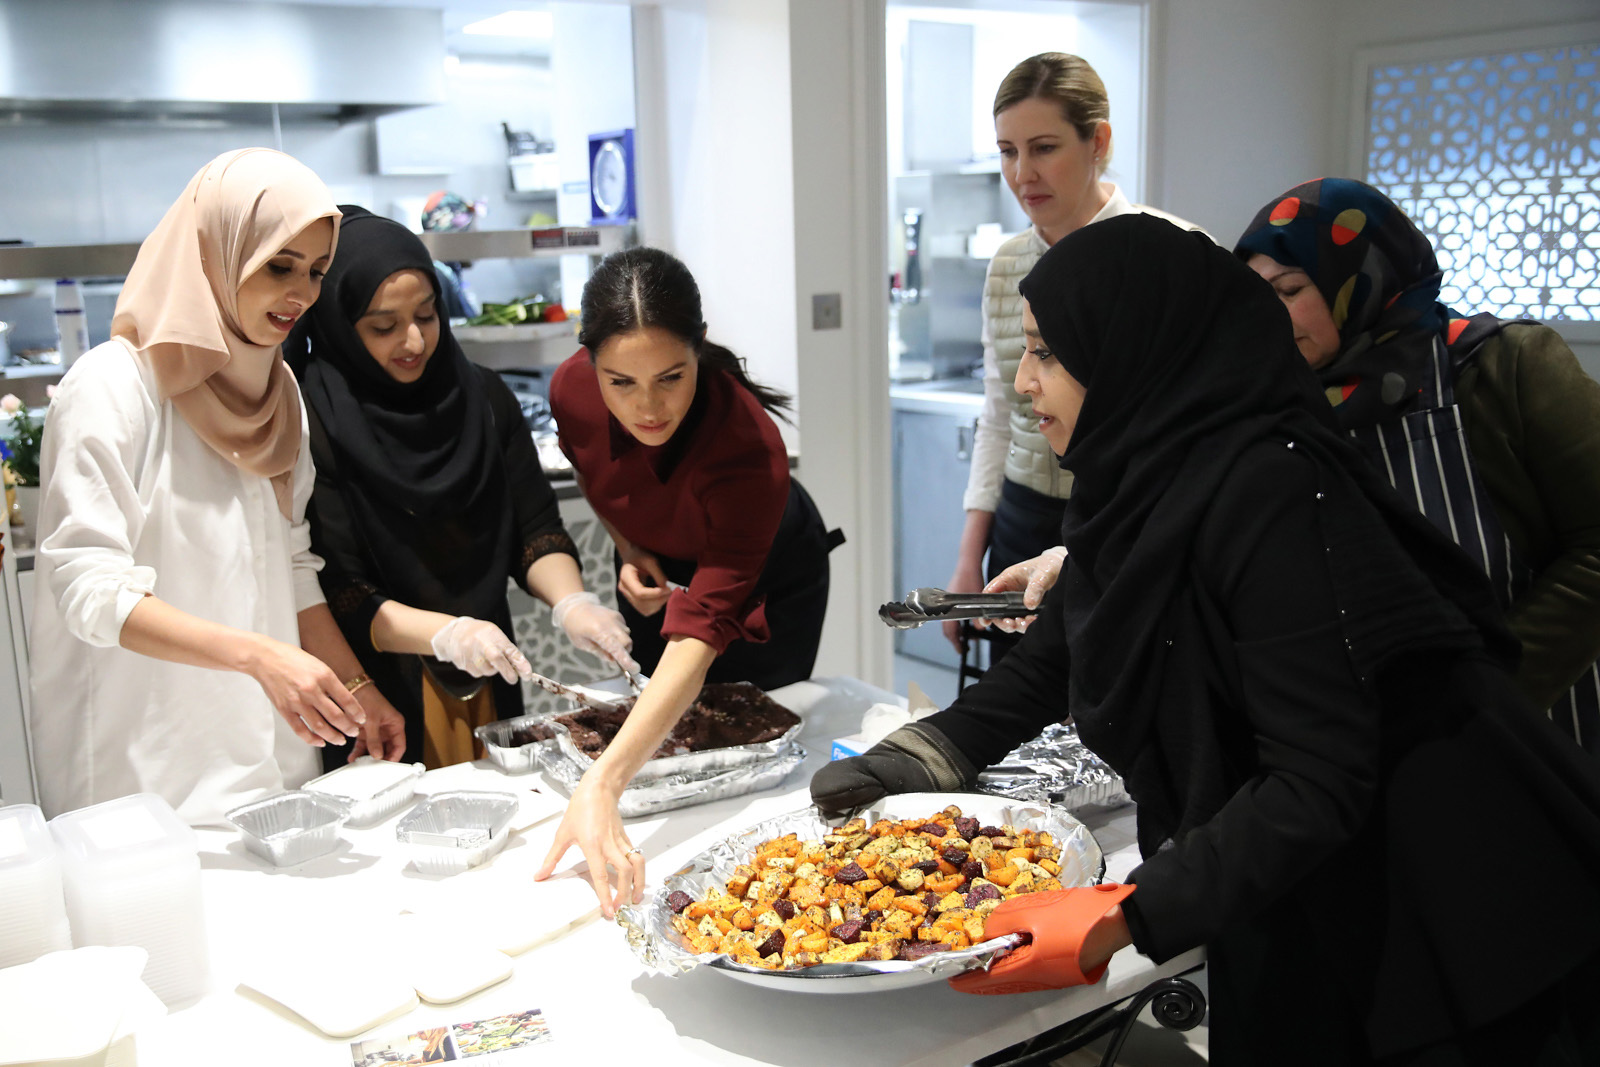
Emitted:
pixel 66 261
pixel 114 260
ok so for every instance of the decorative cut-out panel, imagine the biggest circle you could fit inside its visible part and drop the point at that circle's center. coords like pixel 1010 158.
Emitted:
pixel 1497 159
pixel 545 645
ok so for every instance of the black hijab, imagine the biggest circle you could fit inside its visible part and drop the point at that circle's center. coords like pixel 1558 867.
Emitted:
pixel 417 464
pixel 1188 359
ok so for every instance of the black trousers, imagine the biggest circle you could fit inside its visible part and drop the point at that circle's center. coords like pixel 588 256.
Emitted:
pixel 795 584
pixel 1025 524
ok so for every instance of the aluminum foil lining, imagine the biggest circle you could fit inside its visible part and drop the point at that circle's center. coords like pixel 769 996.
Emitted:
pixel 289 828
pixel 454 831
pixel 648 926
pixel 1055 768
pixel 501 742
pixel 651 796
pixel 697 763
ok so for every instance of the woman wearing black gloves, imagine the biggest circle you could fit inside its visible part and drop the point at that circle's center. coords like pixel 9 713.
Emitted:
pixel 1303 684
pixel 429 495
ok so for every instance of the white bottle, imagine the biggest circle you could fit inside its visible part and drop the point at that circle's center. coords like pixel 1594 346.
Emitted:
pixel 72 325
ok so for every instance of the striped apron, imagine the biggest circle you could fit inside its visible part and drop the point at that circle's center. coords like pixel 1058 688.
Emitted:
pixel 1425 457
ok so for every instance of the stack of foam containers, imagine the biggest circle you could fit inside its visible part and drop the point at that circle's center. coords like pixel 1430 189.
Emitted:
pixel 131 871
pixel 33 918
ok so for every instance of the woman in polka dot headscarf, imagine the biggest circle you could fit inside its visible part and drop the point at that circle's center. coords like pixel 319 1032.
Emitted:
pixel 1491 428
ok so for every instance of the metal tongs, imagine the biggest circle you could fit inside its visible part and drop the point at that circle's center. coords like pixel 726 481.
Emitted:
pixel 936 605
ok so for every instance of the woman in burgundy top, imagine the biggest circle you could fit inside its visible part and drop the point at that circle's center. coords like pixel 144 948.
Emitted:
pixel 722 558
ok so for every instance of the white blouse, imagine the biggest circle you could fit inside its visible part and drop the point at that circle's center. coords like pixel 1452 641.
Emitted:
pixel 134 502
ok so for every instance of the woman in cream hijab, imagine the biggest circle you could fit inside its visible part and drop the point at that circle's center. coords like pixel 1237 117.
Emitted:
pixel 176 584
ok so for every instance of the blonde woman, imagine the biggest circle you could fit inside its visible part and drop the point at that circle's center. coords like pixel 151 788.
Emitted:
pixel 1052 124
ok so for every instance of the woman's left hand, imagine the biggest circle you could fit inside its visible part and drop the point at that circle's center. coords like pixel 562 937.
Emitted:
pixel 594 628
pixel 593 824
pixel 384 733
pixel 1072 935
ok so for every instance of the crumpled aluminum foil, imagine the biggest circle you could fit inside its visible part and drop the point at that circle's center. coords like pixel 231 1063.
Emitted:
pixel 649 796
pixel 1055 768
pixel 648 926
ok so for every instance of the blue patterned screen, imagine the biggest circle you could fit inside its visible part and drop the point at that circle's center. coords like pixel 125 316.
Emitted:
pixel 1497 158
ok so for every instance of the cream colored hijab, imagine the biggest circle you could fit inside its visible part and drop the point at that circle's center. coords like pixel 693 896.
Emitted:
pixel 179 307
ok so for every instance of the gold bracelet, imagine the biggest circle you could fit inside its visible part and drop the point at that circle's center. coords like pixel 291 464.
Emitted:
pixel 357 683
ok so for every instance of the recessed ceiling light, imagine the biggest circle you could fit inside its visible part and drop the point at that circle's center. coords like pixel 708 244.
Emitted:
pixel 536 24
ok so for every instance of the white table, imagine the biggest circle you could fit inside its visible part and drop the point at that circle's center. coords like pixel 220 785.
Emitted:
pixel 600 1004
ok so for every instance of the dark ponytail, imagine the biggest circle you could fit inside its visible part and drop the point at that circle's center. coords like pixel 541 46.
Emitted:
pixel 642 287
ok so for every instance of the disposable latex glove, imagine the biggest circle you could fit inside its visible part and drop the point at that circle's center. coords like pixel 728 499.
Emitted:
pixel 594 628
pixel 1034 577
pixel 480 648
pixel 1059 923
pixel 914 759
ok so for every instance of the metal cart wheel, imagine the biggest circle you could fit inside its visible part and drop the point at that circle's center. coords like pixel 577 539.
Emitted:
pixel 1176 1002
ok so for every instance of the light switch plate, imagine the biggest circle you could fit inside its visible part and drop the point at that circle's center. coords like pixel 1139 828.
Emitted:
pixel 825 312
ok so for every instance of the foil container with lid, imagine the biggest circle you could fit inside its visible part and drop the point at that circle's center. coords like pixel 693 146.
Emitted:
pixel 651 796
pixel 289 828
pixel 370 789
pixel 1055 768
pixel 455 831
pixel 663 950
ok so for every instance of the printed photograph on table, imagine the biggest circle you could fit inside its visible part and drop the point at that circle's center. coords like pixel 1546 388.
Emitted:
pixel 502 1034
pixel 503 1038
pixel 432 1045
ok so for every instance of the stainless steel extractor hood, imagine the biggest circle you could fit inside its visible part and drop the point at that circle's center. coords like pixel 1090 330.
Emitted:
pixel 167 59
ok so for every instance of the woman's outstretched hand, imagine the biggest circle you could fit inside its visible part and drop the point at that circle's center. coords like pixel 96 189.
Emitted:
pixel 593 824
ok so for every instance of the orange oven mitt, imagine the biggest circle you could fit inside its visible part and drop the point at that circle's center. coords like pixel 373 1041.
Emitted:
pixel 1057 923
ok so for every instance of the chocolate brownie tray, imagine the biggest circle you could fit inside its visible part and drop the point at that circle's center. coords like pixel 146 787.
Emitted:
pixel 665 949
pixel 730 725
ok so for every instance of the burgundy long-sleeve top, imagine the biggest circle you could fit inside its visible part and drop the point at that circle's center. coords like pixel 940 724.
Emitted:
pixel 714 493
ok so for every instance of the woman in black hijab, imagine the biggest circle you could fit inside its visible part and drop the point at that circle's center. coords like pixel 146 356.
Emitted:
pixel 1303 684
pixel 429 494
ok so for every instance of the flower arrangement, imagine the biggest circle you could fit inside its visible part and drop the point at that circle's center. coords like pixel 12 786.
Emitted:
pixel 21 445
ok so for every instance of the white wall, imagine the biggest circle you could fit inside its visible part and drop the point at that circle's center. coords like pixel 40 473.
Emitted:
pixel 591 66
pixel 714 126
pixel 836 50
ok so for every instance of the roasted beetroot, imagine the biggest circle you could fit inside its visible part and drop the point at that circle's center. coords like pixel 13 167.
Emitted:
pixel 784 908
pixel 981 893
pixel 773 943
pixel 972 869
pixel 967 827
pixel 991 831
pixel 871 916
pixel 927 866
pixel 677 900
pixel 934 828
pixel 850 873
pixel 849 931
pixel 954 856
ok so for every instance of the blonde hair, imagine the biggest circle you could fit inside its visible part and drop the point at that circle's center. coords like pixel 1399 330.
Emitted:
pixel 1066 79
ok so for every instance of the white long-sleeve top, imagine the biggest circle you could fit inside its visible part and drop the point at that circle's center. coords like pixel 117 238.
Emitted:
pixel 134 502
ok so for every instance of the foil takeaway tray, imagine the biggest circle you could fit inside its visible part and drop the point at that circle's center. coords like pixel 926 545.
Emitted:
pixel 289 828
pixel 514 745
pixel 648 926
pixel 371 789
pixel 455 831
